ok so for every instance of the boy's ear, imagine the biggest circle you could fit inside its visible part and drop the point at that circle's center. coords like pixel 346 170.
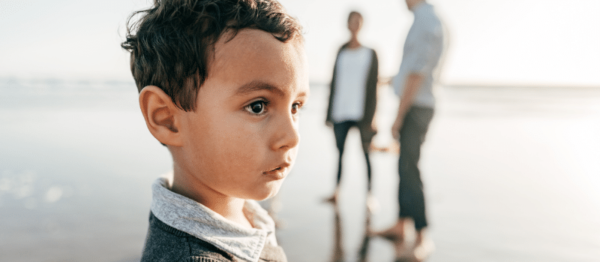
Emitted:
pixel 162 115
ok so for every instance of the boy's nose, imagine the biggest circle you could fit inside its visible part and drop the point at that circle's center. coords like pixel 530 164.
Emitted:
pixel 286 133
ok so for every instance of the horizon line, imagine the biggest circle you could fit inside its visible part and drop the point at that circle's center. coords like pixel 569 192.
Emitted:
pixel 55 80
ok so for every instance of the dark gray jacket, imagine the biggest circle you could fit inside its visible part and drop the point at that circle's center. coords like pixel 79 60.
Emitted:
pixel 166 244
pixel 366 124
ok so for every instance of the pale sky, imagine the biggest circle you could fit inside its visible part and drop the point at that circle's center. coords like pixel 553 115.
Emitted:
pixel 512 42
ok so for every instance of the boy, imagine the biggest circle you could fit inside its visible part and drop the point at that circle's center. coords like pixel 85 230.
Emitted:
pixel 221 83
pixel 353 98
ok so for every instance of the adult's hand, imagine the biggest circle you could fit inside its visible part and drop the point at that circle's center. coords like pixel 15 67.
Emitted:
pixel 396 129
pixel 413 83
pixel 384 81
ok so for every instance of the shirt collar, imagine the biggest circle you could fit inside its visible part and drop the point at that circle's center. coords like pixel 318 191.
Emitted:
pixel 198 220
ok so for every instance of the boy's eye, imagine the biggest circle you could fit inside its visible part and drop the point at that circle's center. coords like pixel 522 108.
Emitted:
pixel 296 107
pixel 257 107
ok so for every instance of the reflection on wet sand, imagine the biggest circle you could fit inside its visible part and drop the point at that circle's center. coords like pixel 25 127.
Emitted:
pixel 364 246
pixel 338 247
pixel 406 250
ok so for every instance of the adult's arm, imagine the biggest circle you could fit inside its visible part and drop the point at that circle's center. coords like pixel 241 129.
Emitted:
pixel 411 88
pixel 328 119
pixel 418 62
pixel 371 94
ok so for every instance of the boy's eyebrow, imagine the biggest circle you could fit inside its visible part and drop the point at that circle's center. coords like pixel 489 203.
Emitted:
pixel 257 86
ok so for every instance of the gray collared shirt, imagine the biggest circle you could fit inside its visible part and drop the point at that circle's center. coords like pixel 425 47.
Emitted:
pixel 421 54
pixel 197 220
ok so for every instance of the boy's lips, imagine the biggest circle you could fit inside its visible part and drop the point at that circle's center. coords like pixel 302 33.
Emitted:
pixel 279 171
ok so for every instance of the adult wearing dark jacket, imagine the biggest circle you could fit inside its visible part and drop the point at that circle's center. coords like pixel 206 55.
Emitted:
pixel 353 95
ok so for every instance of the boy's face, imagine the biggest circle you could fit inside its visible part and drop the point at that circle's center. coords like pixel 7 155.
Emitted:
pixel 242 139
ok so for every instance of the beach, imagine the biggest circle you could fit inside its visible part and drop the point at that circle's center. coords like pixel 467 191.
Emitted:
pixel 510 174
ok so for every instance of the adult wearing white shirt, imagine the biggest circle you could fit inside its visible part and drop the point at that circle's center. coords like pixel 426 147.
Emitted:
pixel 353 95
pixel 414 83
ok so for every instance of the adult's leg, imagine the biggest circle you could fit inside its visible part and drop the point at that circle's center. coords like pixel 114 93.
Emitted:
pixel 372 204
pixel 366 151
pixel 410 193
pixel 366 145
pixel 340 131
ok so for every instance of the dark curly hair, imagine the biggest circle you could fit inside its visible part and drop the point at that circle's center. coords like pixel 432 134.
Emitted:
pixel 171 43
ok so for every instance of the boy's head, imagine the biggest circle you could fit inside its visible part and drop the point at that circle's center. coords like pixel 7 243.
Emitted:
pixel 221 83
pixel 172 43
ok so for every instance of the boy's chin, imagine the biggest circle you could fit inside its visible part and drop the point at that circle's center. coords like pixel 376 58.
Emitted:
pixel 266 191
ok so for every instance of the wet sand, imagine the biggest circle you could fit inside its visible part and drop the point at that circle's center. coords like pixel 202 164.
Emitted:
pixel 510 175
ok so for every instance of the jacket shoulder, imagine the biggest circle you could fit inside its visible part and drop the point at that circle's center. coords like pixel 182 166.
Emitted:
pixel 167 244
pixel 201 251
pixel 373 52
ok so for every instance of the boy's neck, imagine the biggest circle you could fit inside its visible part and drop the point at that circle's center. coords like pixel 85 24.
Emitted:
pixel 231 208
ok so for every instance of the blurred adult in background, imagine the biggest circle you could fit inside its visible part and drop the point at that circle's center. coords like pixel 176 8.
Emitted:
pixel 414 83
pixel 353 96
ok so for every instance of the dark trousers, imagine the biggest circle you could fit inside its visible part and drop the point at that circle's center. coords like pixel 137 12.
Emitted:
pixel 341 132
pixel 410 192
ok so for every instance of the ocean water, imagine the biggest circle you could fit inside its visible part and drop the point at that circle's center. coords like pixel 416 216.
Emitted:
pixel 511 174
